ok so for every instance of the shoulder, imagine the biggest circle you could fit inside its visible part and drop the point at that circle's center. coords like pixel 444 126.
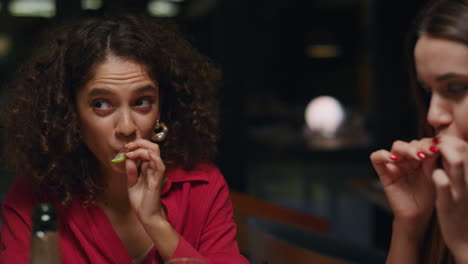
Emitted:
pixel 20 199
pixel 21 193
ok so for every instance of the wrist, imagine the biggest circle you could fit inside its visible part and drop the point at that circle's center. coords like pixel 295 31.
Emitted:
pixel 156 222
pixel 412 231
pixel 407 239
pixel 164 236
pixel 152 217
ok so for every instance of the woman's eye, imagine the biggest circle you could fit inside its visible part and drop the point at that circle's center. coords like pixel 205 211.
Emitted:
pixel 143 102
pixel 457 88
pixel 101 105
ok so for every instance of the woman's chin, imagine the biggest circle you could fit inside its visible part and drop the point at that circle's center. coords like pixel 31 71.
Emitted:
pixel 118 167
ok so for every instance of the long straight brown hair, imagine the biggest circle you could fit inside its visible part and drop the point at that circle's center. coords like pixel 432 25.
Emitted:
pixel 446 19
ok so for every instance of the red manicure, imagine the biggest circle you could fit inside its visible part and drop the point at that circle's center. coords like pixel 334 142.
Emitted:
pixel 394 157
pixel 436 141
pixel 433 148
pixel 421 154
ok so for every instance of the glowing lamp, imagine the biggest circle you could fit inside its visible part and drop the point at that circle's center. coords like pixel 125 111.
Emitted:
pixel 324 115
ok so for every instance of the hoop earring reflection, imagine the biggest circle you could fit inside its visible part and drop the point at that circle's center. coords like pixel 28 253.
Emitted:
pixel 159 136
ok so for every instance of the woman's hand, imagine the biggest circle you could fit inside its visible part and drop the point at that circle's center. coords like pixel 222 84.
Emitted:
pixel 405 174
pixel 145 185
pixel 452 195
pixel 145 180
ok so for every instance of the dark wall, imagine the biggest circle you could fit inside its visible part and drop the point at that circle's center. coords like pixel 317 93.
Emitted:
pixel 392 114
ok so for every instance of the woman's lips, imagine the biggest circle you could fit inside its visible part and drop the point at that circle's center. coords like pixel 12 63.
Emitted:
pixel 120 157
pixel 123 150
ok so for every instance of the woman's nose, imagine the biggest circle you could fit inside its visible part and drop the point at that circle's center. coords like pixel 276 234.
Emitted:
pixel 439 114
pixel 126 126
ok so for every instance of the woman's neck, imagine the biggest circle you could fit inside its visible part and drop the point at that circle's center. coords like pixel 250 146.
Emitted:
pixel 115 195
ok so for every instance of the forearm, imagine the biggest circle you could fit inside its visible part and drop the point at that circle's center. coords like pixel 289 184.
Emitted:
pixel 405 244
pixel 164 236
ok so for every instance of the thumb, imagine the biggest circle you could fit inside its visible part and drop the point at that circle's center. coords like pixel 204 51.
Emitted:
pixel 443 190
pixel 132 172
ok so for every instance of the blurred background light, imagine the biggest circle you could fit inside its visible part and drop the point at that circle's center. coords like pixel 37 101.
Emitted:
pixel 323 51
pixel 32 8
pixel 324 115
pixel 163 8
pixel 5 45
pixel 91 4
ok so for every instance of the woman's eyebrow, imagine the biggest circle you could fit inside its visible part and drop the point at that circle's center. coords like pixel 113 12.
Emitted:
pixel 99 91
pixel 146 88
pixel 449 75
pixel 103 91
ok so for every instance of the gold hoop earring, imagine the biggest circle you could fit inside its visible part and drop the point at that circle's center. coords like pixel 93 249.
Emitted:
pixel 159 136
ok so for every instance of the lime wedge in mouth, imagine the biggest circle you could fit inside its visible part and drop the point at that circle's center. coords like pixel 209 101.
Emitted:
pixel 119 157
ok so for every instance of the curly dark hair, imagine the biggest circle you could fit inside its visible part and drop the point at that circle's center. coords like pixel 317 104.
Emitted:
pixel 41 125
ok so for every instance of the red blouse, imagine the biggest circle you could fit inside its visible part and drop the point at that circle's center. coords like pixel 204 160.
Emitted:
pixel 198 208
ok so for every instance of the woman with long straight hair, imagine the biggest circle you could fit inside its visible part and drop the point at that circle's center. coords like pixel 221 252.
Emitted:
pixel 426 179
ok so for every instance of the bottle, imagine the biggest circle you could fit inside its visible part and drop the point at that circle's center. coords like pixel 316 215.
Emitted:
pixel 44 237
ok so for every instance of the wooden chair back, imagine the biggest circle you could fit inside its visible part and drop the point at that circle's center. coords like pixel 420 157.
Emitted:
pixel 275 243
pixel 246 206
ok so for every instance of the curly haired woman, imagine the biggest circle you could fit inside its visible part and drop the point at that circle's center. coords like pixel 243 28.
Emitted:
pixel 118 85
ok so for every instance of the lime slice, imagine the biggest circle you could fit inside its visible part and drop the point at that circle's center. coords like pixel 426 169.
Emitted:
pixel 119 157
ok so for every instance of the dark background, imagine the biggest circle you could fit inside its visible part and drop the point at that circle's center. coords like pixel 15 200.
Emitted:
pixel 261 47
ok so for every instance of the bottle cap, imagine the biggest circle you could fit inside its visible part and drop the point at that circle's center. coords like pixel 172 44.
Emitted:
pixel 44 218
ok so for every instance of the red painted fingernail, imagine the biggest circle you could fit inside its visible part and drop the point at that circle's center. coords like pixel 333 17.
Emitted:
pixel 421 154
pixel 394 157
pixel 436 141
pixel 433 148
